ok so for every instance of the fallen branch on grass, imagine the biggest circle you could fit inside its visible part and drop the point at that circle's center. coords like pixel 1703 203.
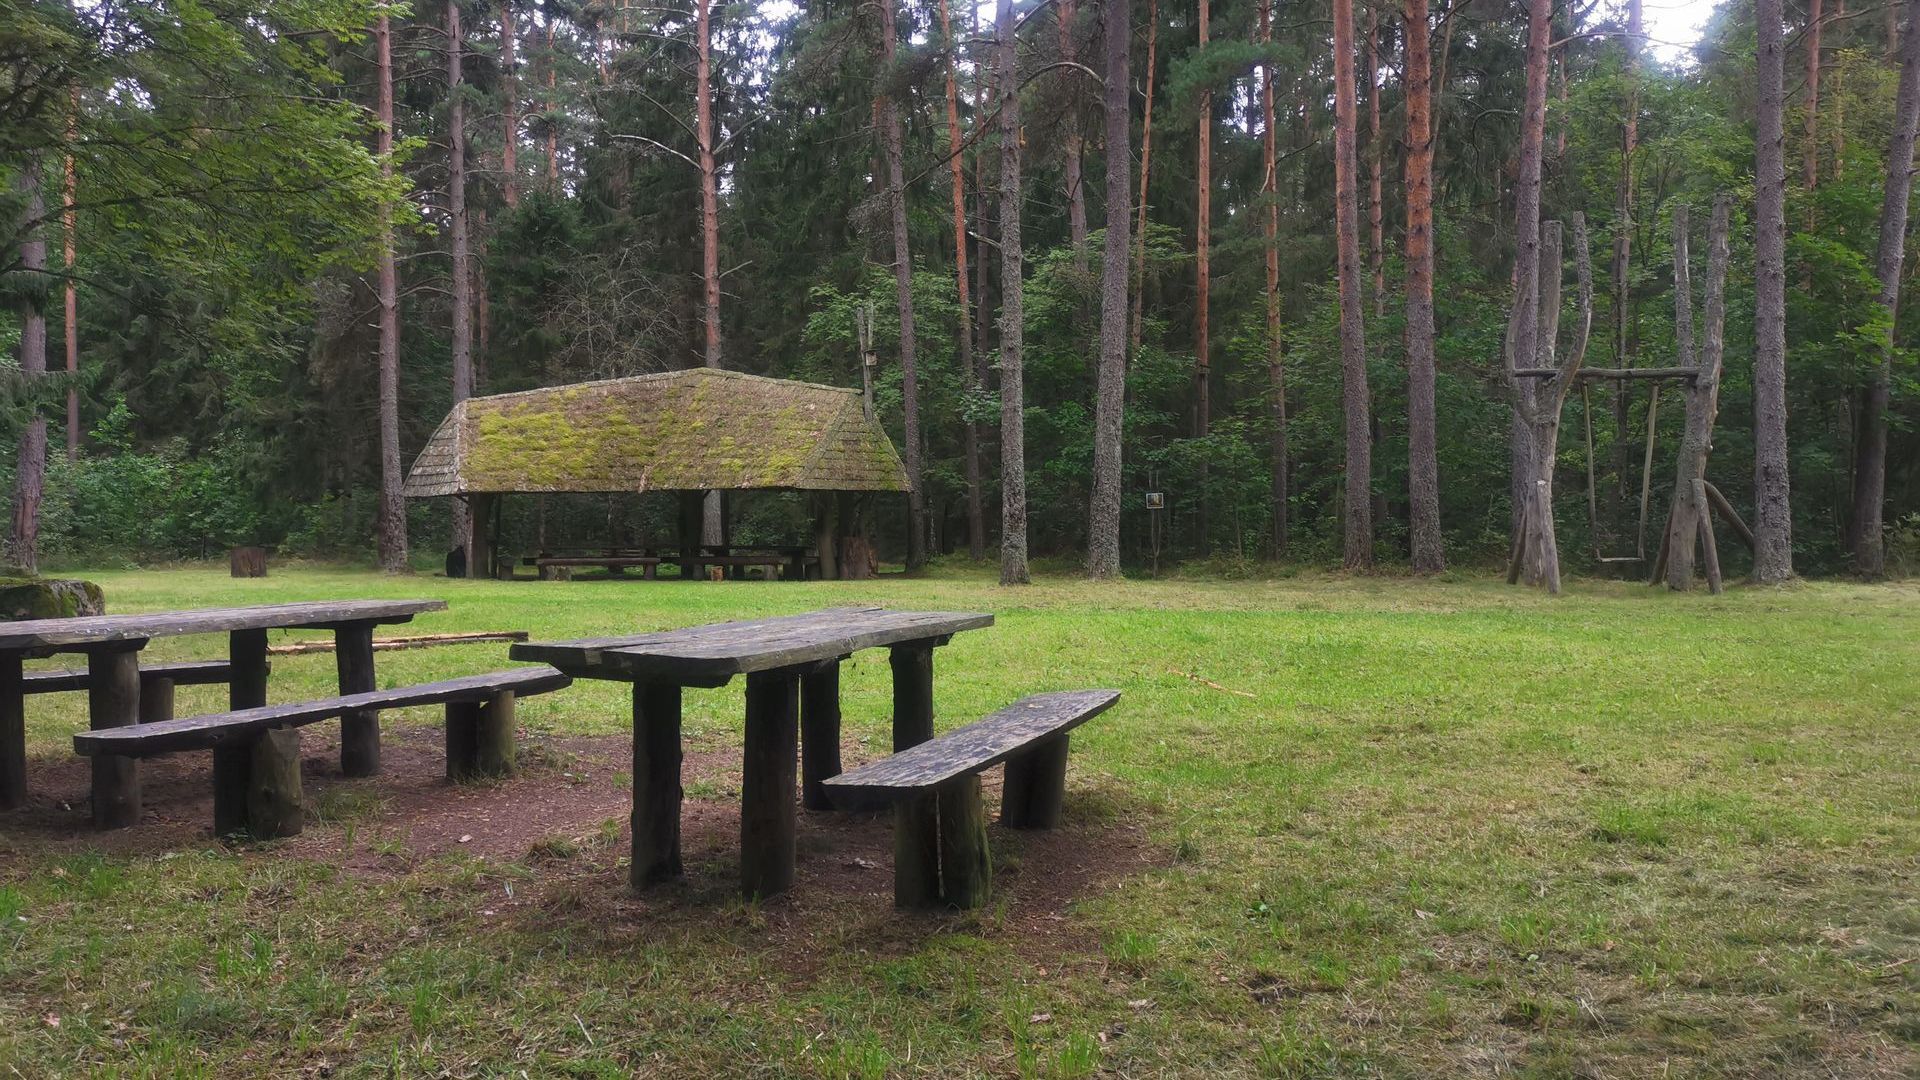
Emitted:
pixel 419 641
pixel 1209 682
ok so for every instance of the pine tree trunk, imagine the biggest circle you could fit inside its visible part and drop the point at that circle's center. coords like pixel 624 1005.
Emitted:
pixel 31 465
pixel 464 523
pixel 1203 289
pixel 1703 404
pixel 69 230
pixel 510 113
pixel 956 163
pixel 1353 344
pixel 393 506
pixel 903 285
pixel 1146 160
pixel 1073 145
pixel 1013 444
pixel 1810 153
pixel 1870 472
pixel 1103 547
pixel 1276 343
pixel 1423 465
pixel 553 105
pixel 1533 461
pixel 1623 251
pixel 1376 158
pixel 709 183
pixel 983 312
pixel 1773 511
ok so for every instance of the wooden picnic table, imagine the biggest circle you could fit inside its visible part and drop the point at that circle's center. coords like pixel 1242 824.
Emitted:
pixel 112 644
pixel 792 665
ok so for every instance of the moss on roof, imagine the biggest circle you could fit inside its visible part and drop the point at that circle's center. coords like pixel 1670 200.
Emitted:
pixel 688 430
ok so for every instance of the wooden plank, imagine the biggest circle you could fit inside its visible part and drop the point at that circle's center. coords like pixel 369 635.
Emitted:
pixel 588 560
pixel 978 746
pixel 65 634
pixel 184 673
pixel 699 654
pixel 200 732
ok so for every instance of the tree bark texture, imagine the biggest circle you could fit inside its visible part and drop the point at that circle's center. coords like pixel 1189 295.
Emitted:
pixel 1376 158
pixel 1013 446
pixel 30 466
pixel 1870 470
pixel 957 165
pixel 510 111
pixel 1773 511
pixel 1810 152
pixel 903 286
pixel 1203 262
pixel 1623 248
pixel 393 506
pixel 1276 343
pixel 464 522
pixel 1146 160
pixel 1072 144
pixel 709 183
pixel 1353 344
pixel 1703 404
pixel 1110 395
pixel 1423 461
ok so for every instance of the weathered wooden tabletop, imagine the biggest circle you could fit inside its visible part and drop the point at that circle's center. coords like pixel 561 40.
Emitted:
pixel 80 633
pixel 723 650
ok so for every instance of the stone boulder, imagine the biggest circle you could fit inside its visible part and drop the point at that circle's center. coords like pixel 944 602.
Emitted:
pixel 49 598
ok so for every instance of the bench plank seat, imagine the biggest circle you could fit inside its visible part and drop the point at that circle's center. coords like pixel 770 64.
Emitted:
pixel 203 732
pixel 971 749
pixel 183 673
pixel 597 560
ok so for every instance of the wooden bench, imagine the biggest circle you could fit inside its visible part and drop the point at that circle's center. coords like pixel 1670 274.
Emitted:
pixel 156 683
pixel 649 565
pixel 256 752
pixel 940 824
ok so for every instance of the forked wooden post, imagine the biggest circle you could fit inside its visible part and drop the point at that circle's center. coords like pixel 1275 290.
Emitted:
pixel 113 700
pixel 274 807
pixel 494 738
pixel 916 819
pixel 656 784
pixel 819 733
pixel 767 783
pixel 463 740
pixel 359 731
pixel 13 733
pixel 1036 787
pixel 966 869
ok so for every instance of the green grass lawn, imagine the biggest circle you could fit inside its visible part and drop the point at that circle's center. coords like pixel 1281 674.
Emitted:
pixel 1335 827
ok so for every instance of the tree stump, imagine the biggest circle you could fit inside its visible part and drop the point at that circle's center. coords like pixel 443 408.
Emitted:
pixel 247 562
pixel 856 559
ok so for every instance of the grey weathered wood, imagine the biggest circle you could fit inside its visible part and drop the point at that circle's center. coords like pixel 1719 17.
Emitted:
pixel 1035 790
pixel 274 806
pixel 200 732
pixel 966 868
pixel 247 679
pixel 56 635
pixel 497 725
pixel 767 783
pixel 463 740
pixel 185 673
pixel 699 654
pixel 1709 549
pixel 912 694
pixel 13 733
pixel 113 704
pixel 610 561
pixel 971 749
pixel 232 781
pixel 819 733
pixel 360 728
pixel 156 698
pixel 916 852
pixel 1729 515
pixel 656 784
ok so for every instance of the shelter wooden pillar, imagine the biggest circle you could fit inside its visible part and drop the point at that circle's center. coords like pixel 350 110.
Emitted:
pixel 479 542
pixel 692 519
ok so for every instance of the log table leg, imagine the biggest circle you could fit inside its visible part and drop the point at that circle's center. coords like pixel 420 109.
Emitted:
pixel 767 783
pixel 156 700
pixel 359 731
pixel 1036 787
pixel 13 733
pixel 916 820
pixel 819 733
pixel 237 762
pixel 113 700
pixel 656 784
pixel 247 652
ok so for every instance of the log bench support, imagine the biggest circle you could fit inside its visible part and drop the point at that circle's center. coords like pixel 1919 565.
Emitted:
pixel 480 738
pixel 940 824
pixel 114 701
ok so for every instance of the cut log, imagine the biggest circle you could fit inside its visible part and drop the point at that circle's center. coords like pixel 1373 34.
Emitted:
pixel 966 868
pixel 274 807
pixel 113 702
pixel 247 562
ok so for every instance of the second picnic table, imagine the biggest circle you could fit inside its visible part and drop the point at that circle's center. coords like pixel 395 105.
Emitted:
pixel 792 665
pixel 112 644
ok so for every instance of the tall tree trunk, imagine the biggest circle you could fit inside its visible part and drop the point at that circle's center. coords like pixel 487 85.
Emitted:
pixel 31 465
pixel 1810 153
pixel 982 289
pixel 709 181
pixel 1423 464
pixel 1703 400
pixel 1353 343
pixel 1376 158
pixel 1535 546
pixel 553 108
pixel 465 523
pixel 1276 343
pixel 956 162
pixel 393 506
pixel 1110 396
pixel 1623 251
pixel 510 114
pixel 70 239
pixel 1073 145
pixel 1773 510
pixel 1203 286
pixel 1146 160
pixel 903 285
pixel 1013 441
pixel 1870 472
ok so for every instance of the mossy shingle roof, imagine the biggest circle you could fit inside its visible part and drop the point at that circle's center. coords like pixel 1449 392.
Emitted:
pixel 690 430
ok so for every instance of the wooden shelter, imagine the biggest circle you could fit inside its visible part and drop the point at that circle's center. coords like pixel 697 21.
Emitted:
pixel 690 432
